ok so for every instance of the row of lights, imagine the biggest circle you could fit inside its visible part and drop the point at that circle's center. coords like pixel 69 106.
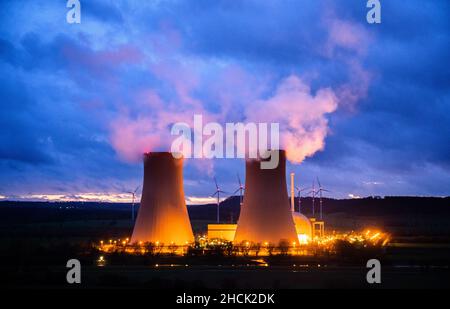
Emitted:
pixel 373 237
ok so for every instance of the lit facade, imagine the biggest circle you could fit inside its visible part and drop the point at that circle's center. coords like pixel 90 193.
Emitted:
pixel 222 231
pixel 303 226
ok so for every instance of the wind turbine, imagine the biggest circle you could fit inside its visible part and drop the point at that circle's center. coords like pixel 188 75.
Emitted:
pixel 320 190
pixel 218 191
pixel 299 192
pixel 133 193
pixel 240 189
pixel 313 192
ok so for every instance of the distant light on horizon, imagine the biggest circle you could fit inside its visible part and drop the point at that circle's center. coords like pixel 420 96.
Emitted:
pixel 353 196
pixel 102 197
pixel 198 200
pixel 79 197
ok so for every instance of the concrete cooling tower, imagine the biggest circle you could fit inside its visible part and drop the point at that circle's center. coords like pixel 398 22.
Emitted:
pixel 266 214
pixel 163 215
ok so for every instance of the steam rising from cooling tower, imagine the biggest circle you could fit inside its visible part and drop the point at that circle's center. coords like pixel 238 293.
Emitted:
pixel 162 216
pixel 266 213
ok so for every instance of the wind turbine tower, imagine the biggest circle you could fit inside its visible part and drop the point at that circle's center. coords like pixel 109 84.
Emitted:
pixel 133 194
pixel 313 195
pixel 299 196
pixel 240 189
pixel 217 192
pixel 320 190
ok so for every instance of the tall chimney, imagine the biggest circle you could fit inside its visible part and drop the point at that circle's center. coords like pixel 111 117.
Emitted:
pixel 162 215
pixel 292 192
pixel 265 214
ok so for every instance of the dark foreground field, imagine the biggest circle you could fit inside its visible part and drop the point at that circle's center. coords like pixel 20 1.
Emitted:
pixel 276 277
pixel 38 239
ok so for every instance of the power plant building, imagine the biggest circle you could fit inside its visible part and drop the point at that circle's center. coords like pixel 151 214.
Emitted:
pixel 303 227
pixel 222 231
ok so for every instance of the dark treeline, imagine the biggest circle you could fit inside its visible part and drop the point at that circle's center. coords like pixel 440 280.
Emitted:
pixel 29 212
pixel 370 206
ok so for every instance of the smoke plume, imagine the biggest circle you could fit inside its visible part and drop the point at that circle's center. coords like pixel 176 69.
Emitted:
pixel 228 92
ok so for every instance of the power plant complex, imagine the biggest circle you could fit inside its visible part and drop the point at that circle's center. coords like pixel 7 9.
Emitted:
pixel 267 215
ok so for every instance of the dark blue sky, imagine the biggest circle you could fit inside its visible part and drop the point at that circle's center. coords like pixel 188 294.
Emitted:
pixel 77 100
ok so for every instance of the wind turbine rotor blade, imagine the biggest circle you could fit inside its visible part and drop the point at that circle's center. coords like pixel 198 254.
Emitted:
pixel 215 181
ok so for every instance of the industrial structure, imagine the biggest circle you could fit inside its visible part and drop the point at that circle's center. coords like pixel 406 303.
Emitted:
pixel 303 227
pixel 222 231
pixel 302 224
pixel 318 227
pixel 162 217
pixel 266 215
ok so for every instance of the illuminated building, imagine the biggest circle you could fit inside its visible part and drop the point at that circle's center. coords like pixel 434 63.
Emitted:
pixel 318 228
pixel 162 216
pixel 302 223
pixel 222 231
pixel 302 226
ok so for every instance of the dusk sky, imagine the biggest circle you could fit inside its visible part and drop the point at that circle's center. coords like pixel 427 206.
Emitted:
pixel 80 102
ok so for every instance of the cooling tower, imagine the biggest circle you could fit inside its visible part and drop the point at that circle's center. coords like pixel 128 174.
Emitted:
pixel 266 214
pixel 163 215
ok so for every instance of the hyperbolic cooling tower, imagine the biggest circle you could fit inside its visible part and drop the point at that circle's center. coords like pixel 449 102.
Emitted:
pixel 163 215
pixel 266 213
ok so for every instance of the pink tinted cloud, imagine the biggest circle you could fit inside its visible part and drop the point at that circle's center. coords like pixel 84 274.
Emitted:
pixel 355 38
pixel 150 129
pixel 133 137
pixel 239 94
pixel 356 88
pixel 183 78
pixel 345 34
pixel 300 114
pixel 233 88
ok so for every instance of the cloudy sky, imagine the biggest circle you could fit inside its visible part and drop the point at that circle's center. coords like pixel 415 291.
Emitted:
pixel 364 107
